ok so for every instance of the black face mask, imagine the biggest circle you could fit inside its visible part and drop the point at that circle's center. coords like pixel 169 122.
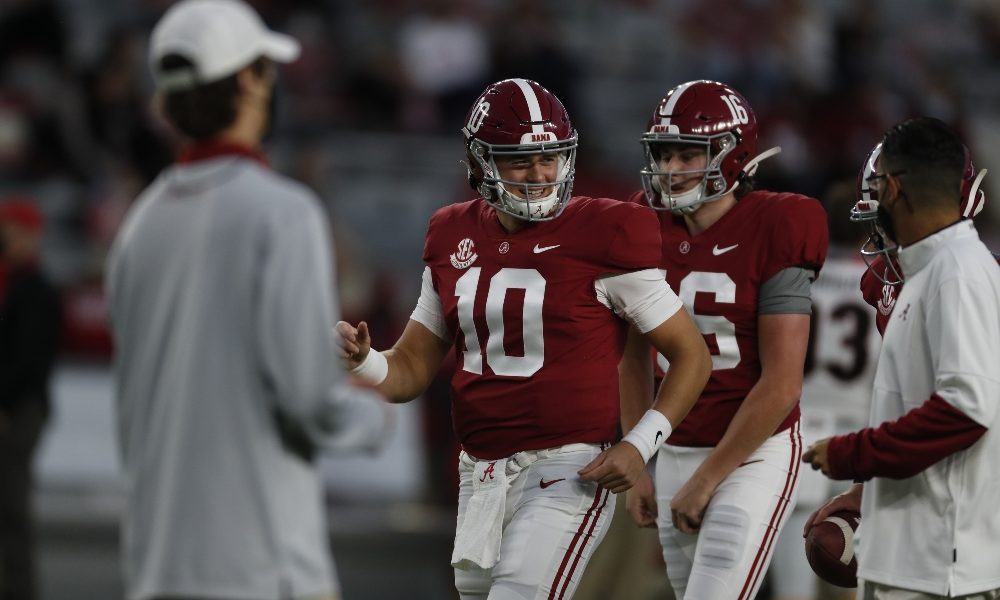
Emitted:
pixel 885 223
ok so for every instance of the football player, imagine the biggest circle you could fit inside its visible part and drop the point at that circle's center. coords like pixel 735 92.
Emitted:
pixel 839 370
pixel 883 280
pixel 533 290
pixel 743 262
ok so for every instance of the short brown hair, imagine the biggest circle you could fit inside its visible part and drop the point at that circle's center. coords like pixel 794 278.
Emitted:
pixel 202 112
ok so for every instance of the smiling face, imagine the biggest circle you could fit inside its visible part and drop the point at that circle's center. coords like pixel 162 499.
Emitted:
pixel 683 166
pixel 530 171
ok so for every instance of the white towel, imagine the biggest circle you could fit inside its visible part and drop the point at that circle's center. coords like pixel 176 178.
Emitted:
pixel 477 541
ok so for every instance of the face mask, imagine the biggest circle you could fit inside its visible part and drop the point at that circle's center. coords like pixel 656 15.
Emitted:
pixel 885 222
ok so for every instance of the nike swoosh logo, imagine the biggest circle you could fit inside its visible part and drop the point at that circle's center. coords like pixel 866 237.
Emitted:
pixel 750 462
pixel 659 434
pixel 544 484
pixel 540 249
pixel 716 251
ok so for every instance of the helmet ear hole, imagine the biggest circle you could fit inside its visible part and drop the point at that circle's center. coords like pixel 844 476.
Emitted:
pixel 473 170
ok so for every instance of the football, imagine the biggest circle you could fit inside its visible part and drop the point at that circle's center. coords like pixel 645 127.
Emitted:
pixel 830 548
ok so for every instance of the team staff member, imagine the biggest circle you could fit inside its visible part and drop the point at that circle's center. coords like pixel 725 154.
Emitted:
pixel 222 307
pixel 743 262
pixel 882 280
pixel 929 527
pixel 533 289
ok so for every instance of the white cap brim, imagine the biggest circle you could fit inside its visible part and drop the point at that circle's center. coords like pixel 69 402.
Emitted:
pixel 280 47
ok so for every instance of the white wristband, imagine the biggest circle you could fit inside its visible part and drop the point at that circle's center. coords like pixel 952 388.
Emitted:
pixel 373 369
pixel 649 433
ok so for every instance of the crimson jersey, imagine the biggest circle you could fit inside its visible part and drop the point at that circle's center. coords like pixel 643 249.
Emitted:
pixel 537 352
pixel 718 274
pixel 881 295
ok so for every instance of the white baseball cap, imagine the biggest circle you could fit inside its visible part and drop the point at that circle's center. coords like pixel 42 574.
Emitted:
pixel 219 37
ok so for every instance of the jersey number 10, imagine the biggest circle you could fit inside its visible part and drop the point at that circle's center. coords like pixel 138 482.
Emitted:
pixel 533 284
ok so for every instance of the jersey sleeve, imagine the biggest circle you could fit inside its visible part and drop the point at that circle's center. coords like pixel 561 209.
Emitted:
pixel 638 197
pixel 429 311
pixel 643 298
pixel 430 245
pixel 788 292
pixel 799 236
pixel 635 242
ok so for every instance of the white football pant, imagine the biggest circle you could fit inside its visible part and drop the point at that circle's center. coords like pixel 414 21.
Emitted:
pixel 727 559
pixel 549 534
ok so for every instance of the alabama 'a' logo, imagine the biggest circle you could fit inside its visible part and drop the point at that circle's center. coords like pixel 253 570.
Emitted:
pixel 465 256
pixel 488 471
pixel 888 300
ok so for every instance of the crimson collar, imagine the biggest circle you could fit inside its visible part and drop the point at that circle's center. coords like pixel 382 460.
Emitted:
pixel 205 150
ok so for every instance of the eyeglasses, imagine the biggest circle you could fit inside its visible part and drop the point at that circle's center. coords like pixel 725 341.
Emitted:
pixel 874 178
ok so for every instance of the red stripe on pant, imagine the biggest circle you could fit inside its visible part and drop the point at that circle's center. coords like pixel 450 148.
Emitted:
pixel 772 530
pixel 596 506
pixel 590 534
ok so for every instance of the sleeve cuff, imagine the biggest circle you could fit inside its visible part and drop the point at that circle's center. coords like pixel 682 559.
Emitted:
pixel 839 452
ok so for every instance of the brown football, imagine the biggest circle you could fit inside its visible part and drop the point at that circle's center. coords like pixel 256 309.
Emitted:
pixel 830 548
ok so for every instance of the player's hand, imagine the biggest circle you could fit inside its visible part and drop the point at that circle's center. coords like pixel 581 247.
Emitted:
pixel 849 500
pixel 687 508
pixel 817 456
pixel 640 501
pixel 617 469
pixel 355 342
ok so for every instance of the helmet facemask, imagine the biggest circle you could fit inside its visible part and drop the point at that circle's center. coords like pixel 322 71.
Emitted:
pixel 878 243
pixel 865 210
pixel 530 205
pixel 657 183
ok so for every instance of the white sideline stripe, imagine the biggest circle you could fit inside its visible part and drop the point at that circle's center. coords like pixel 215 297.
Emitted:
pixel 534 109
pixel 845 528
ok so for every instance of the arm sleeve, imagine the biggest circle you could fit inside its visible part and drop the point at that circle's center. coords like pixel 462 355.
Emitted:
pixel 642 298
pixel 295 316
pixel 428 311
pixel 904 447
pixel 787 292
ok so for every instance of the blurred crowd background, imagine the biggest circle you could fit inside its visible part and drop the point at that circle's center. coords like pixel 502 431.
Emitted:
pixel 370 117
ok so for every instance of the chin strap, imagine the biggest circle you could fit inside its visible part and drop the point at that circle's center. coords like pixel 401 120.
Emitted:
pixel 697 192
pixel 751 167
